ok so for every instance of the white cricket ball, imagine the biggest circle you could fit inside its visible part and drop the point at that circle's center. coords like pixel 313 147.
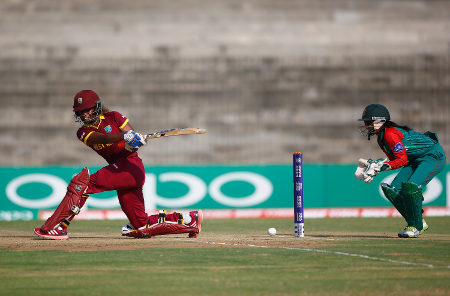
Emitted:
pixel 271 231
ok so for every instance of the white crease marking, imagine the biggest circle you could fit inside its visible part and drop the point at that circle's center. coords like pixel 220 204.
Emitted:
pixel 325 252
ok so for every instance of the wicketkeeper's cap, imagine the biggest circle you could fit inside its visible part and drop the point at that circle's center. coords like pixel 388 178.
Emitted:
pixel 375 112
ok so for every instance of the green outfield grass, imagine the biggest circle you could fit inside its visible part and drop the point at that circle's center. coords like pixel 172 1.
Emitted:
pixel 344 256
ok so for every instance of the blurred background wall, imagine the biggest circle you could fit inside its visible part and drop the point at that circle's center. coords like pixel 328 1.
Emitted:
pixel 265 77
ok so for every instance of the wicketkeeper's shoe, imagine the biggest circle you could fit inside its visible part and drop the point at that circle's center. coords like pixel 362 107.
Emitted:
pixel 58 232
pixel 409 232
pixel 196 222
pixel 425 226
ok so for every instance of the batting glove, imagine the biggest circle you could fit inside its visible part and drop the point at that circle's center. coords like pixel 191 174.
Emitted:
pixel 134 139
pixel 131 148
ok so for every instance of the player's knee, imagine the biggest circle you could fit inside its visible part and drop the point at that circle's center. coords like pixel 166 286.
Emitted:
pixel 411 190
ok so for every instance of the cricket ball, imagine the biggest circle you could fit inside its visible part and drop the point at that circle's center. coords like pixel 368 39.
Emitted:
pixel 271 231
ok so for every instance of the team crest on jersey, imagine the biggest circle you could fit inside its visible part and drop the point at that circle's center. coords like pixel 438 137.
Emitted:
pixel 108 128
pixel 398 147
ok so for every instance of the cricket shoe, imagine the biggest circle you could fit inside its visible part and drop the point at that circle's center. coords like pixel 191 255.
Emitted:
pixel 409 232
pixel 57 233
pixel 127 229
pixel 425 226
pixel 130 231
pixel 196 222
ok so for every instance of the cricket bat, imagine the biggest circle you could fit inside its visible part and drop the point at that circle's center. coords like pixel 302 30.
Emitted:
pixel 176 132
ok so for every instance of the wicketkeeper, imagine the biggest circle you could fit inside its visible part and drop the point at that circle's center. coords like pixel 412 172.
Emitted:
pixel 110 134
pixel 420 157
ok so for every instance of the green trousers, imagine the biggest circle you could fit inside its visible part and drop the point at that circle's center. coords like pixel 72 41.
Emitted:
pixel 421 170
pixel 406 189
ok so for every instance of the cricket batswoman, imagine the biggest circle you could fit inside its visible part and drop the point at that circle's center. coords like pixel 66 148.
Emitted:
pixel 419 157
pixel 110 134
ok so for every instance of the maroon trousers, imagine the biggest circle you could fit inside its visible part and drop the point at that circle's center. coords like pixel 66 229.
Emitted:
pixel 127 177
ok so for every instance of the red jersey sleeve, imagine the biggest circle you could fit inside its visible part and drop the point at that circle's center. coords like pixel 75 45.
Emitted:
pixel 118 118
pixel 83 133
pixel 393 139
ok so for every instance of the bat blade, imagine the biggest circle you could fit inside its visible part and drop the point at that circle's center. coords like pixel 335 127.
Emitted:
pixel 176 132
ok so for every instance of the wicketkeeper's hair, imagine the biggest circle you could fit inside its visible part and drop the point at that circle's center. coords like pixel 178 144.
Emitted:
pixel 389 123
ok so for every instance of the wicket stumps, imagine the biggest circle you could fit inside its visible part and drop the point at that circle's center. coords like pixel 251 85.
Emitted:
pixel 298 195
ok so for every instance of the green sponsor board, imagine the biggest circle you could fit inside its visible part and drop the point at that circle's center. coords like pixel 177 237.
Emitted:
pixel 25 191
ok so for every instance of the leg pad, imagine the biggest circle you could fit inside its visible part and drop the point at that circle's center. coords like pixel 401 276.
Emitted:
pixel 70 205
pixel 163 229
pixel 412 200
pixel 395 198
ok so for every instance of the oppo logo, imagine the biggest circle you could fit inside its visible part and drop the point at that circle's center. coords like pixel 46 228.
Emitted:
pixel 197 190
pixel 57 184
